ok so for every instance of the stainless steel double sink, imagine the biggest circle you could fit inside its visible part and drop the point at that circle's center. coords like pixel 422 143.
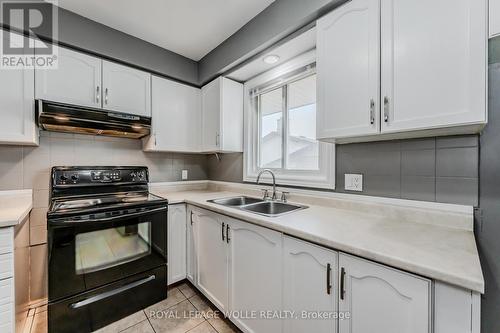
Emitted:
pixel 258 206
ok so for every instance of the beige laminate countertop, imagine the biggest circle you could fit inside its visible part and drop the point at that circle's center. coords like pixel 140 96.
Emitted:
pixel 437 252
pixel 14 207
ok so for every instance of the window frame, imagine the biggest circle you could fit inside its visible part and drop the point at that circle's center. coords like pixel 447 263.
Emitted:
pixel 322 178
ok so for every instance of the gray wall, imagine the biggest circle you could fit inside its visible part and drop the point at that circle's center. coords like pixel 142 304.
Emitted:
pixel 432 169
pixel 29 167
pixel 275 22
pixel 488 217
pixel 89 36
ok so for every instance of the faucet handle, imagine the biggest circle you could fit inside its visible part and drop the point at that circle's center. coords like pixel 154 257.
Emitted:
pixel 265 192
pixel 283 196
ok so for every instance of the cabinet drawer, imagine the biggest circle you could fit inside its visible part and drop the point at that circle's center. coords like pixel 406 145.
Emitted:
pixel 6 318
pixel 6 240
pixel 6 291
pixel 6 265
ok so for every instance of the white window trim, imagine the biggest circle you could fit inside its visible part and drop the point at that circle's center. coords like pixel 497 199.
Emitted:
pixel 324 178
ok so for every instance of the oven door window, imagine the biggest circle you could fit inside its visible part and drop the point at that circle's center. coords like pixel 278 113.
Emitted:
pixel 103 249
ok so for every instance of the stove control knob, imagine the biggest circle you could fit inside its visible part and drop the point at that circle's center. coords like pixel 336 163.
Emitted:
pixel 74 177
pixel 63 178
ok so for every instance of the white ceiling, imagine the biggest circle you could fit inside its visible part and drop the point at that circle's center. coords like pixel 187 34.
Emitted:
pixel 191 28
pixel 287 51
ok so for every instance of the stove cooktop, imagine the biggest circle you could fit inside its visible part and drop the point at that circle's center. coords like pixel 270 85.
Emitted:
pixel 84 205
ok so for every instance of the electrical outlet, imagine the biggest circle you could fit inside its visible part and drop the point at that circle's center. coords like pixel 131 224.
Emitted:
pixel 353 182
pixel 184 174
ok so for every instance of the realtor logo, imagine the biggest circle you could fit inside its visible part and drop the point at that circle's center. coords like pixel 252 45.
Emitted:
pixel 37 20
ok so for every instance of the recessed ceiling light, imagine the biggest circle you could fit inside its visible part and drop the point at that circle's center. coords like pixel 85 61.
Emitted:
pixel 271 59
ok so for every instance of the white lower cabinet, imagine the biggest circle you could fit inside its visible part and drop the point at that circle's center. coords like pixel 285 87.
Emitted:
pixel 212 263
pixel 309 287
pixel 255 276
pixel 176 234
pixel 381 299
pixel 275 283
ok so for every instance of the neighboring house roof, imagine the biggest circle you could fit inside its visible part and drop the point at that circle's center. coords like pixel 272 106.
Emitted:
pixel 301 151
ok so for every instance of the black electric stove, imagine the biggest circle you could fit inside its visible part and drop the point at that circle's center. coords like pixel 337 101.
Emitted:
pixel 107 238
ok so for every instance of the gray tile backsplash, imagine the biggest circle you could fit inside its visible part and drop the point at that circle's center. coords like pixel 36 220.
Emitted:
pixel 433 169
pixel 29 167
pixel 441 169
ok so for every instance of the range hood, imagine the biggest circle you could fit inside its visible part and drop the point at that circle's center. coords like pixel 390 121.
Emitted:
pixel 59 117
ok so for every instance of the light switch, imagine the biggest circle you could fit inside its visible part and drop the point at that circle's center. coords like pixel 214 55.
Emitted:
pixel 184 174
pixel 353 182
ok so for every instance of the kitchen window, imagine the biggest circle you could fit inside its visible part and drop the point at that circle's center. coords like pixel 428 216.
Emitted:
pixel 281 130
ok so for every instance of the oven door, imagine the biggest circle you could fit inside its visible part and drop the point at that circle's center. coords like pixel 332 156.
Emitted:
pixel 91 251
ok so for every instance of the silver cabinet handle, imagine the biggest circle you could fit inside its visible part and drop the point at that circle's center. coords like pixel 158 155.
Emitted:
pixel 386 109
pixel 372 111
pixel 227 233
pixel 217 139
pixel 223 225
pixel 106 96
pixel 98 94
pixel 110 293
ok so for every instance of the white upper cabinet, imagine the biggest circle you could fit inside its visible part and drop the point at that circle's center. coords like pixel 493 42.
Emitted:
pixel 432 78
pixel 434 62
pixel 381 299
pixel 222 116
pixel 176 113
pixel 255 276
pixel 176 234
pixel 76 80
pixel 309 284
pixel 126 89
pixel 17 107
pixel 348 66
pixel 212 258
pixel 494 18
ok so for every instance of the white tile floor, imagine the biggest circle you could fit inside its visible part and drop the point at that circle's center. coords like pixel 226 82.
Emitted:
pixel 184 310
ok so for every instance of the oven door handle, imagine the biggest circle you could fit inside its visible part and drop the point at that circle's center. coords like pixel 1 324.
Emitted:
pixel 64 222
pixel 110 293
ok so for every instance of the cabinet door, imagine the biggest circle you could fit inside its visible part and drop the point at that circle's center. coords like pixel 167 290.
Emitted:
pixel 126 89
pixel 76 80
pixel 255 275
pixel 212 258
pixel 309 285
pixel 176 112
pixel 191 246
pixel 17 106
pixel 348 67
pixel 176 243
pixel 433 63
pixel 210 106
pixel 494 17
pixel 231 136
pixel 382 299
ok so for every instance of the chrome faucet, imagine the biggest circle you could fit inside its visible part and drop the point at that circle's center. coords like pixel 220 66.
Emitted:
pixel 274 183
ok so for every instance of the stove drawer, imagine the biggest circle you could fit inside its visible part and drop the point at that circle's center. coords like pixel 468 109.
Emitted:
pixel 92 310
